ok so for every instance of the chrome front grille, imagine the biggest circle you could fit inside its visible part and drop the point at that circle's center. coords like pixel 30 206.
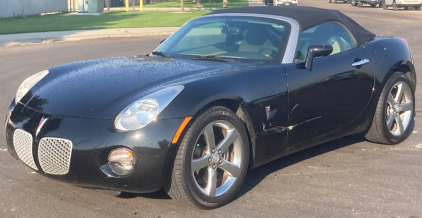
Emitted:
pixel 23 146
pixel 54 155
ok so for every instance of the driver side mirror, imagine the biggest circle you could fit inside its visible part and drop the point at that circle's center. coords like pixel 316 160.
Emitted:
pixel 316 51
pixel 162 40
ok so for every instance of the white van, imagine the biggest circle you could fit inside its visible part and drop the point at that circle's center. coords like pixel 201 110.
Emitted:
pixel 396 4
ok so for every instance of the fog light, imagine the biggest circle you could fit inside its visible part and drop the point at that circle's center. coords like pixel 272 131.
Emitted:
pixel 121 161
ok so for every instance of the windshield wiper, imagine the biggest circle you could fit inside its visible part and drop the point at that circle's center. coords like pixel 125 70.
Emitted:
pixel 162 54
pixel 214 58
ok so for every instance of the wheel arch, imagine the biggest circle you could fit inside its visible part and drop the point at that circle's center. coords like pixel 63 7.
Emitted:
pixel 405 67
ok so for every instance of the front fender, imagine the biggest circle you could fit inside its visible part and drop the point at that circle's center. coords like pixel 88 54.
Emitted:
pixel 243 86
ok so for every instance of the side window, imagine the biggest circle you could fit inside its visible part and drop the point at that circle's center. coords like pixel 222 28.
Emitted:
pixel 326 33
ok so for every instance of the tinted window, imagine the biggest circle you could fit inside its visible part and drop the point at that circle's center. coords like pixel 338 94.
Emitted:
pixel 326 33
pixel 242 38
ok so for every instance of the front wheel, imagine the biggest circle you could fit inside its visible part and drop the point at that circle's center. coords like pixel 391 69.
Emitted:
pixel 395 111
pixel 212 160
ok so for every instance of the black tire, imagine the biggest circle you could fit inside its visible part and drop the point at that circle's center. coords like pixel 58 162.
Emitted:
pixel 360 4
pixel 373 5
pixel 379 131
pixel 418 8
pixel 384 5
pixel 395 6
pixel 330 1
pixel 406 8
pixel 182 183
pixel 353 3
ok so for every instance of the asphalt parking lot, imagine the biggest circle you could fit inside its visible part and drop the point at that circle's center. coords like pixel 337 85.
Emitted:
pixel 348 177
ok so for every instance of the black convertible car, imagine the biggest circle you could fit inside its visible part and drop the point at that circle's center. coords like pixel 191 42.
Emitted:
pixel 227 92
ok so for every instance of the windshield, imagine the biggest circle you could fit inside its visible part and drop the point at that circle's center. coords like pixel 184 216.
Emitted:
pixel 246 39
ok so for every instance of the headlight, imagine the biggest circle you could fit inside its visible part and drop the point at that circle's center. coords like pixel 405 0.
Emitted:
pixel 143 111
pixel 28 84
pixel 122 161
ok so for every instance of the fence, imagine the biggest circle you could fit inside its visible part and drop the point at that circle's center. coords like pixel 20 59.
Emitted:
pixel 21 8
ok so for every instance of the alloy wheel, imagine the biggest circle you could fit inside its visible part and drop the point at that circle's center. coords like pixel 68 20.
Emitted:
pixel 399 108
pixel 216 158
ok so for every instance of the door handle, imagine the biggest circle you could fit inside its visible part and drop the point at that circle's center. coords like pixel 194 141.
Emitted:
pixel 360 63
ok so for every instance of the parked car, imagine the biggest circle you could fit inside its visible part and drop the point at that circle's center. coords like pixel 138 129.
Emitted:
pixel 372 3
pixel 336 1
pixel 402 3
pixel 227 92
pixel 281 2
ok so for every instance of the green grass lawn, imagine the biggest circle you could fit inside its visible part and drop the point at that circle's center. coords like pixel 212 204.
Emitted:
pixel 204 3
pixel 63 22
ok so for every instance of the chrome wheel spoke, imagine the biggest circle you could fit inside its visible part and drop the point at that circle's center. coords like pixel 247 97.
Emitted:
pixel 230 168
pixel 390 120
pixel 399 123
pixel 212 182
pixel 407 106
pixel 209 137
pixel 400 108
pixel 400 92
pixel 199 163
pixel 391 101
pixel 228 140
pixel 215 167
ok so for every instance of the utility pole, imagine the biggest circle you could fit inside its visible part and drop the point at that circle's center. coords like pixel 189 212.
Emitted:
pixel 182 6
pixel 133 5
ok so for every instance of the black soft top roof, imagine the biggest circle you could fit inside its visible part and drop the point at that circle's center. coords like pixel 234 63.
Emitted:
pixel 308 17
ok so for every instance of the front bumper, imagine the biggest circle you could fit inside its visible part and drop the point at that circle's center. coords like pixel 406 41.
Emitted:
pixel 92 140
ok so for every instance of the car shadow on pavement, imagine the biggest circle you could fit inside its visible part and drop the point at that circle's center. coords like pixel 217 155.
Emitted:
pixel 161 194
pixel 255 176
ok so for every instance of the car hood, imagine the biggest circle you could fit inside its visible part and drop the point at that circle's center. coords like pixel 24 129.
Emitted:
pixel 103 88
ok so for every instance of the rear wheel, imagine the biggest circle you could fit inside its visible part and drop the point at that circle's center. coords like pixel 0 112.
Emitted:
pixel 395 111
pixel 373 5
pixel 212 160
pixel 406 8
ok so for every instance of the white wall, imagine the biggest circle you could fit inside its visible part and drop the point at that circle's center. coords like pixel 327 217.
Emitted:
pixel 19 8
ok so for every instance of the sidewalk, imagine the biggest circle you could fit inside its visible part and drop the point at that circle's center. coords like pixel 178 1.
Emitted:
pixel 23 38
pixel 164 9
pixel 255 3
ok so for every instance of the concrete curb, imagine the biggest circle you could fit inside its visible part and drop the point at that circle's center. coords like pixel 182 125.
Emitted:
pixel 25 38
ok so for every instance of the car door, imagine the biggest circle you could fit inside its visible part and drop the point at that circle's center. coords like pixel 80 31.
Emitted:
pixel 335 91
